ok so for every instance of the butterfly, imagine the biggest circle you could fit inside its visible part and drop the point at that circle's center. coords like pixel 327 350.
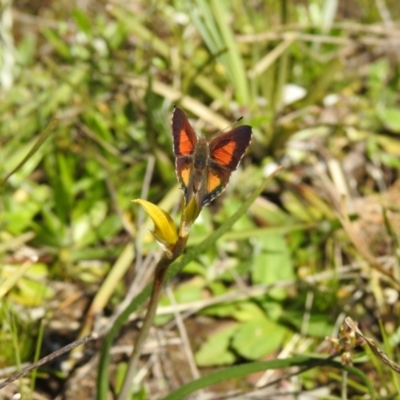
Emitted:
pixel 203 168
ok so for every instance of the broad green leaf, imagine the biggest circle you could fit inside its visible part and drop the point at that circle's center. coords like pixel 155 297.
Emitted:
pixel 248 311
pixel 273 263
pixel 190 291
pixel 19 217
pixel 217 288
pixel 223 310
pixel 273 309
pixel 318 324
pixel 215 351
pixel 257 338
pixel 38 271
pixel 31 293
pixel 194 268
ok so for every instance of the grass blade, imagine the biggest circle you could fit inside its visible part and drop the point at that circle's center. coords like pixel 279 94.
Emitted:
pixel 42 137
pixel 242 370
pixel 235 65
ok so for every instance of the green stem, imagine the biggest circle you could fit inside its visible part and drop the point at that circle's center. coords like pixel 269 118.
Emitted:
pixel 344 385
pixel 160 272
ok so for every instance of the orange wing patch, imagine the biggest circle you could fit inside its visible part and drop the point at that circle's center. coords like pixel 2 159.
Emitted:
pixel 185 175
pixel 216 183
pixel 186 146
pixel 213 183
pixel 224 154
pixel 184 136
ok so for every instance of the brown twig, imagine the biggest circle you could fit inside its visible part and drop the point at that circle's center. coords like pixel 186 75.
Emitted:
pixel 48 358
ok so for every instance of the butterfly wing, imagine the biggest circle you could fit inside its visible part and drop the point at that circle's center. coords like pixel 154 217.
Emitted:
pixel 185 141
pixel 226 151
pixel 214 184
pixel 185 138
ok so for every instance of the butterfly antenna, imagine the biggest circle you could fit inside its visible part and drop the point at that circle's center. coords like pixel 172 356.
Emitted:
pixel 230 126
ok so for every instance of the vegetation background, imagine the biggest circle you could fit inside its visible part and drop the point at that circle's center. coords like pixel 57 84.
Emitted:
pixel 318 80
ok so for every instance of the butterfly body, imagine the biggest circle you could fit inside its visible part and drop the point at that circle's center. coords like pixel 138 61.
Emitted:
pixel 203 168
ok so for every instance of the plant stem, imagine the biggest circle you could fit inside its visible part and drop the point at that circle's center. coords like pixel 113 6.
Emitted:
pixel 160 272
pixel 344 385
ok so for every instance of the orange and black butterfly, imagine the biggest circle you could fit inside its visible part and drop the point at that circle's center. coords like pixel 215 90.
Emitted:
pixel 204 168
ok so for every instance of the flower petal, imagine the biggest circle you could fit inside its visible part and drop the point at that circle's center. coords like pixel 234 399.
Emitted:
pixel 164 227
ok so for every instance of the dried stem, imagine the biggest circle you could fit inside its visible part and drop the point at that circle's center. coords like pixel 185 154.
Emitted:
pixel 48 358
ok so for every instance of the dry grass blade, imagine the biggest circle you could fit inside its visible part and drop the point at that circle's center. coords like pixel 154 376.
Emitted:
pixel 48 358
pixel 186 102
pixel 9 283
pixel 362 247
pixel 272 56
pixel 382 356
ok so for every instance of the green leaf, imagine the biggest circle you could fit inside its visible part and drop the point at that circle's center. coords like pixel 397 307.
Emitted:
pixel 217 33
pixel 239 371
pixel 215 351
pixel 390 118
pixel 273 309
pixel 274 263
pixel 82 21
pixel 84 226
pixel 18 218
pixel 194 268
pixel 257 338
pixel 186 293
pixel 39 141
pixel 318 324
pixel 248 311
pixel 390 146
pixel 31 293
pixel 60 46
pixel 38 271
pixel 51 230
pixel 223 310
